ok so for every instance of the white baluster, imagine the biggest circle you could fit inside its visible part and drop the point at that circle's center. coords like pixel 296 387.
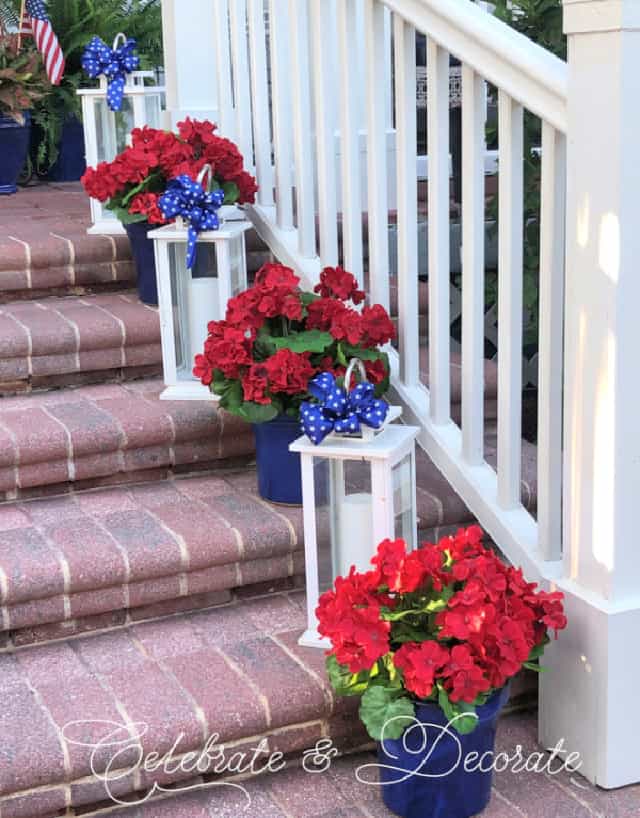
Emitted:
pixel 439 253
pixel 325 122
pixel 223 69
pixel 405 80
pixel 302 133
pixel 473 150
pixel 349 140
pixel 260 102
pixel 378 229
pixel 281 110
pixel 510 280
pixel 242 93
pixel 550 344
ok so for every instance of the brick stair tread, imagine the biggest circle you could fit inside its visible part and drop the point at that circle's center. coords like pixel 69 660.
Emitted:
pixel 70 558
pixel 53 440
pixel 74 334
pixel 235 671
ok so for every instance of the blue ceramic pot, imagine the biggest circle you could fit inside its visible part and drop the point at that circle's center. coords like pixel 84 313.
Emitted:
pixel 70 164
pixel 432 763
pixel 144 258
pixel 14 145
pixel 279 476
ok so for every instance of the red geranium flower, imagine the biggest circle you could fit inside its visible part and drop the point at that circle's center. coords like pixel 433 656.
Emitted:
pixel 420 662
pixel 337 282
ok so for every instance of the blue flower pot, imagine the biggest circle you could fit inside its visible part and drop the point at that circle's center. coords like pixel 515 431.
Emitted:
pixel 144 258
pixel 70 164
pixel 14 145
pixel 423 772
pixel 279 476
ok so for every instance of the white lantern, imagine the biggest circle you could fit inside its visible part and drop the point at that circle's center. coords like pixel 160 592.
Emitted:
pixel 189 299
pixel 356 492
pixel 107 132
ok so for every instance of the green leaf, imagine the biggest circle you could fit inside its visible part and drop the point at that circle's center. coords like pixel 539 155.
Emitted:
pixel 231 193
pixel 385 713
pixel 312 340
pixel 343 681
pixel 462 715
pixel 308 298
pixel 258 412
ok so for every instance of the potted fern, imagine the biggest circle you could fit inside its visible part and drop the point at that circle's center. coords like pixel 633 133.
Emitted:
pixel 22 84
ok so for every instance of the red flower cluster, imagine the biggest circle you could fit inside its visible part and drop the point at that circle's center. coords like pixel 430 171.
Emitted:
pixel 479 618
pixel 155 156
pixel 256 343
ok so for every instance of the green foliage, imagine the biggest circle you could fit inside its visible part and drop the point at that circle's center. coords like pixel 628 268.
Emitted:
pixel 540 21
pixel 75 23
pixel 22 78
pixel 311 340
pixel 386 712
pixel 461 715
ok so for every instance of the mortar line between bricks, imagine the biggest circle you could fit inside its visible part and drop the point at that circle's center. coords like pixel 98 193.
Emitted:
pixel 199 712
pixel 574 796
pixel 121 550
pixel 236 532
pixel 27 332
pixel 129 722
pixel 121 324
pixel 74 328
pixel 185 559
pixel 27 250
pixel 172 426
pixel 264 701
pixel 71 466
pixel 292 532
pixel 326 692
pixel 16 459
pixel 123 435
pixel 114 254
pixel 509 803
pixel 64 566
pixel 72 255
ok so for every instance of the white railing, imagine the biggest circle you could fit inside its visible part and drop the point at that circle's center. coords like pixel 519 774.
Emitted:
pixel 326 90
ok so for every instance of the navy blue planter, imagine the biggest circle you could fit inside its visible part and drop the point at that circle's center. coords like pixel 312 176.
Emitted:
pixel 440 787
pixel 279 477
pixel 14 144
pixel 144 258
pixel 70 164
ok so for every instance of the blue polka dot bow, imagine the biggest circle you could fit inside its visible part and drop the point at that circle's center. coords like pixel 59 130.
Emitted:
pixel 186 198
pixel 114 63
pixel 338 411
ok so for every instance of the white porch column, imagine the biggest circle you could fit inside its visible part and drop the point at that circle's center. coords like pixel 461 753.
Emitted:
pixel 589 697
pixel 188 34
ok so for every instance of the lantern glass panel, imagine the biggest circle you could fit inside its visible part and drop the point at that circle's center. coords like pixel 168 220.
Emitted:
pixel 152 106
pixel 321 481
pixel 195 296
pixel 237 262
pixel 351 515
pixel 112 128
pixel 402 476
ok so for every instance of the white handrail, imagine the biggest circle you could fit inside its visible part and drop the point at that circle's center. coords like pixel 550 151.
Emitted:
pixel 527 72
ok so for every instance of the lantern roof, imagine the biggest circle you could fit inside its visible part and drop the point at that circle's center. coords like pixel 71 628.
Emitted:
pixel 394 440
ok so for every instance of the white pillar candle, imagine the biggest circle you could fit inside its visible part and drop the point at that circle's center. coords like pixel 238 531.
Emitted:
pixel 354 544
pixel 203 307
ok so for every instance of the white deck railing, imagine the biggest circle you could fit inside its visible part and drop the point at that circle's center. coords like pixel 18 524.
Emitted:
pixel 324 90
pixel 330 124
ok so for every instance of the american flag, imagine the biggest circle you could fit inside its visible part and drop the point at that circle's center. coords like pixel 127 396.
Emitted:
pixel 36 23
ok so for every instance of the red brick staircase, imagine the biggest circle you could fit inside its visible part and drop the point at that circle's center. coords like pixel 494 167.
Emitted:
pixel 142 580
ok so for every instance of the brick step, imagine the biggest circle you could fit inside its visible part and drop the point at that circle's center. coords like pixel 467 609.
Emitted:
pixel 45 249
pixel 97 559
pixel 232 675
pixel 235 671
pixel 82 437
pixel 76 339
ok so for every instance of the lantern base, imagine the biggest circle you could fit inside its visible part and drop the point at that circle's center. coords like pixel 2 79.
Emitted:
pixel 189 390
pixel 106 227
pixel 312 639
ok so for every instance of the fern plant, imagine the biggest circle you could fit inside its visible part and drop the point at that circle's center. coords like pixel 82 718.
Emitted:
pixel 75 23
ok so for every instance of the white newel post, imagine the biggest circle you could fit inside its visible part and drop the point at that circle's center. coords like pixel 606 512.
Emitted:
pixel 188 35
pixel 589 695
